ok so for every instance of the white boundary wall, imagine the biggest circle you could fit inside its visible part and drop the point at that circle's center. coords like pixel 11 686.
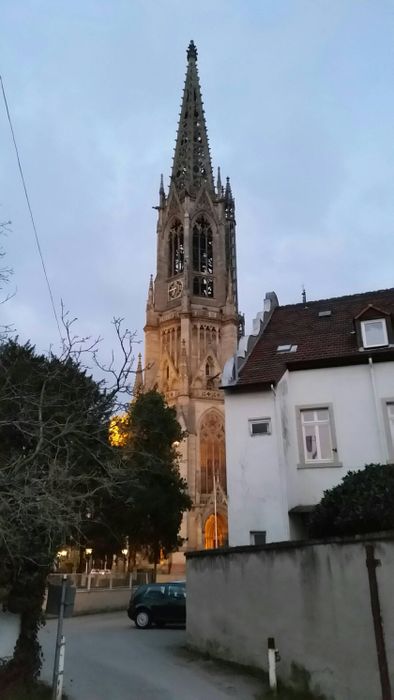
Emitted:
pixel 313 598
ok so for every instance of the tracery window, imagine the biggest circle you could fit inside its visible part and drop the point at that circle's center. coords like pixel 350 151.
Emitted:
pixel 202 258
pixel 212 452
pixel 176 252
pixel 209 367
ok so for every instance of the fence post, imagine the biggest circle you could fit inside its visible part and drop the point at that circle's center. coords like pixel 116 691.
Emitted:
pixel 130 580
pixel 110 581
pixel 89 581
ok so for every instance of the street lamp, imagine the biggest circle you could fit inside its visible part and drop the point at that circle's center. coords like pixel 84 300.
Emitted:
pixel 88 553
pixel 125 553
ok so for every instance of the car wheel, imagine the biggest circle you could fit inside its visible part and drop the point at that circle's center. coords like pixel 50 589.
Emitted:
pixel 142 619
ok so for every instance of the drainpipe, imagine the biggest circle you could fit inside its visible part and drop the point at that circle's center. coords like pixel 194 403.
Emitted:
pixel 382 441
pixel 281 465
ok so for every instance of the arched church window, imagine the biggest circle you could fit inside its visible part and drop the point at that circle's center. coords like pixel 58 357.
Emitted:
pixel 209 367
pixel 202 258
pixel 212 452
pixel 176 251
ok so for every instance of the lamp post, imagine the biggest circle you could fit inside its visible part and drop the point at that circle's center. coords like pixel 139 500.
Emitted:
pixel 61 556
pixel 88 561
pixel 215 507
pixel 125 552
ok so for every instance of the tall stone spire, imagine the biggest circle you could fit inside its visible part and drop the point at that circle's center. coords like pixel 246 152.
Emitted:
pixel 192 161
pixel 219 187
pixel 139 379
pixel 162 194
pixel 149 302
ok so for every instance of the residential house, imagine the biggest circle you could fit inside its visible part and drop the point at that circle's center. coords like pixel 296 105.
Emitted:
pixel 308 397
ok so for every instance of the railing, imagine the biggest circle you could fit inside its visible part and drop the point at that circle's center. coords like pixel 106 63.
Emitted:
pixel 108 580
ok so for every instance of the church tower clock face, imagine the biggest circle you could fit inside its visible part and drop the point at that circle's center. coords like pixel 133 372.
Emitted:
pixel 192 315
pixel 175 289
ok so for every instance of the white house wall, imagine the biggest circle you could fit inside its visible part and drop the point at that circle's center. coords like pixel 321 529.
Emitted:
pixel 253 476
pixel 264 479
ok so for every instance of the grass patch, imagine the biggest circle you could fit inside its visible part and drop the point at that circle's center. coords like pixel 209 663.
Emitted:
pixel 290 694
pixel 299 677
pixel 240 669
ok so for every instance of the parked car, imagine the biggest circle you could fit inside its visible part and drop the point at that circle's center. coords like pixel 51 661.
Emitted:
pixel 158 603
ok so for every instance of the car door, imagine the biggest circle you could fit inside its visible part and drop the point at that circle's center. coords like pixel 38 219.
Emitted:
pixel 176 595
pixel 156 601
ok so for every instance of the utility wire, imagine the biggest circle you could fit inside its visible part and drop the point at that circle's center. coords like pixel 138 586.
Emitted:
pixel 30 210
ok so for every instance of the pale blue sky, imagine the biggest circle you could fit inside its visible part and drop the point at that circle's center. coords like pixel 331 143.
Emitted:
pixel 299 99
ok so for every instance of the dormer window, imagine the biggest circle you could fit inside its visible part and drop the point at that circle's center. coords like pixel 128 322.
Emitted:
pixel 374 333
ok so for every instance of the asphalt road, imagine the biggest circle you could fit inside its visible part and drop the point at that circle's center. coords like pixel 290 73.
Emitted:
pixel 107 658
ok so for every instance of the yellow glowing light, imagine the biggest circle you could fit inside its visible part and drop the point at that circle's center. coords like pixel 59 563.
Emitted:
pixel 125 551
pixel 62 553
pixel 118 430
pixel 88 550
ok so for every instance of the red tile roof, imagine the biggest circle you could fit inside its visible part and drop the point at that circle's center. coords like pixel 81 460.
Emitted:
pixel 321 340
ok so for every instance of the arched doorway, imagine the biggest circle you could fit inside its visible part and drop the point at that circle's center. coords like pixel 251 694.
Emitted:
pixel 215 536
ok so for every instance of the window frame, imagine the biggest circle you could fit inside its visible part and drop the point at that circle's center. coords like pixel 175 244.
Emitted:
pixel 252 421
pixel 383 323
pixel 252 535
pixel 317 463
pixel 389 436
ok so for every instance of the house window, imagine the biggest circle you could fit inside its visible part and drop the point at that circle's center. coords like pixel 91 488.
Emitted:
pixel 258 537
pixel 260 426
pixel 287 348
pixel 390 411
pixel 316 436
pixel 389 420
pixel 374 333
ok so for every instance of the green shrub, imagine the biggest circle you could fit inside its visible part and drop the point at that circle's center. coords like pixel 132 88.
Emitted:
pixel 362 503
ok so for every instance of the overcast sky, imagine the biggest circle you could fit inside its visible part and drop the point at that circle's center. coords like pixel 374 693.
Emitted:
pixel 299 100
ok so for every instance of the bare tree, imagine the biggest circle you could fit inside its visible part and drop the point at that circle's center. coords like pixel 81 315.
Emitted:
pixel 56 463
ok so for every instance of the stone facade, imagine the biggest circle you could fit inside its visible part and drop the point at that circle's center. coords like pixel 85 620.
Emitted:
pixel 192 316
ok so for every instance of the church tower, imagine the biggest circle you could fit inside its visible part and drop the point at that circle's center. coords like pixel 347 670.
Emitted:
pixel 192 313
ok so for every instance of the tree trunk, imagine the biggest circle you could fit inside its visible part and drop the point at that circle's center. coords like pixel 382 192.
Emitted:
pixel 27 598
pixel 154 570
pixel 156 559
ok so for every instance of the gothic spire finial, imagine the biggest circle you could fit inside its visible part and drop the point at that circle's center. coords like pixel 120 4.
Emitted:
pixel 192 166
pixel 229 194
pixel 149 304
pixel 162 194
pixel 192 51
pixel 219 184
pixel 139 381
pixel 229 200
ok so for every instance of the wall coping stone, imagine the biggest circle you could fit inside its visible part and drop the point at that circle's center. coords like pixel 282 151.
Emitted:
pixel 291 544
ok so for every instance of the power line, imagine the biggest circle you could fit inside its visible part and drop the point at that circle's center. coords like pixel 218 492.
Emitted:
pixel 30 209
